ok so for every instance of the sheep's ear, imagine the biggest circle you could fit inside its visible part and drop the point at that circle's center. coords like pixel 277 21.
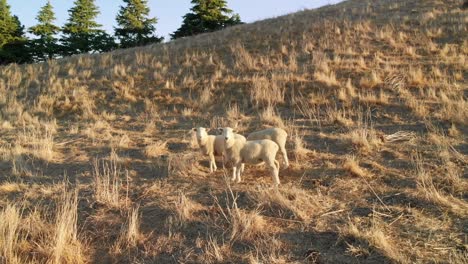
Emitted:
pixel 220 129
pixel 194 129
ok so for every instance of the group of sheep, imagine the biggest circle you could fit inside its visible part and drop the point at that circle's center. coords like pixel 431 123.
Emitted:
pixel 258 147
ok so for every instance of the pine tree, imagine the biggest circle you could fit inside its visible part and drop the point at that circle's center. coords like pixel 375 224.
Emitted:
pixel 82 34
pixel 135 27
pixel 46 45
pixel 13 42
pixel 206 16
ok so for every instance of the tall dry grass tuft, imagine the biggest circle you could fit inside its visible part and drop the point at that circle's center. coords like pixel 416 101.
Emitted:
pixel 266 92
pixel 39 141
pixel 339 116
pixel 130 234
pixel 213 252
pixel 351 164
pixel 244 60
pixel 290 202
pixel 244 225
pixel 185 209
pixel 66 247
pixel 377 236
pixel 108 183
pixel 156 149
pixel 370 81
pixel 363 137
pixel 270 117
pixel 300 150
pixel 10 220
pixel 430 192
pixel 454 110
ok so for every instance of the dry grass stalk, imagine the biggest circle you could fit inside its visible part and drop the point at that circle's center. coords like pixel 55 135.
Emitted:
pixel 291 202
pixel 66 247
pixel 339 116
pixel 156 149
pixel 300 151
pixel 107 182
pixel 431 193
pixel 352 166
pixel 377 236
pixel 130 234
pixel 244 225
pixel 213 252
pixel 266 92
pixel 270 117
pixel 185 209
pixel 9 234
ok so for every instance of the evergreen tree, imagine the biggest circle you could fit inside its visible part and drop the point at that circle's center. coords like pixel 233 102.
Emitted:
pixel 135 27
pixel 206 16
pixel 82 34
pixel 46 45
pixel 13 42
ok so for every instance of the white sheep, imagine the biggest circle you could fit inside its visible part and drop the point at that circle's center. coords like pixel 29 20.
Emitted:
pixel 210 145
pixel 252 152
pixel 213 145
pixel 275 134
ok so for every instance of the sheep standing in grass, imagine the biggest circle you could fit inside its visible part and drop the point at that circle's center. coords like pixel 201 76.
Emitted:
pixel 213 145
pixel 252 152
pixel 275 134
pixel 210 145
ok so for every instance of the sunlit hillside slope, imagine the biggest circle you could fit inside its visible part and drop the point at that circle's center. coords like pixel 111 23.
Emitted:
pixel 98 163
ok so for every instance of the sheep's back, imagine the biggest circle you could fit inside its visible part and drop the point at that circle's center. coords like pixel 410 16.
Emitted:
pixel 277 135
pixel 256 151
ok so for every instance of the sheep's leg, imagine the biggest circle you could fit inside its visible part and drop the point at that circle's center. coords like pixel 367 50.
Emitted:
pixel 212 163
pixel 285 156
pixel 240 168
pixel 223 160
pixel 274 168
pixel 234 173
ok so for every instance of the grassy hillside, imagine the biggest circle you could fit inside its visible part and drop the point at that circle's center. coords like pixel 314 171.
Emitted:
pixel 98 163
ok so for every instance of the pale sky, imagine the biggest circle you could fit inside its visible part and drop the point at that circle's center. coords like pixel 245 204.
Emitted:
pixel 168 12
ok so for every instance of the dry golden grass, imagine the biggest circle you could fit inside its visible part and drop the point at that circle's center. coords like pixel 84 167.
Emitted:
pixel 430 192
pixel 156 149
pixel 377 236
pixel 56 242
pixel 130 234
pixel 360 87
pixel 352 166
pixel 66 247
pixel 108 182
pixel 9 229
pixel 244 225
pixel 300 150
pixel 185 208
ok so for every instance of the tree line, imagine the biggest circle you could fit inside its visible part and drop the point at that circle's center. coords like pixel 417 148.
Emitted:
pixel 82 34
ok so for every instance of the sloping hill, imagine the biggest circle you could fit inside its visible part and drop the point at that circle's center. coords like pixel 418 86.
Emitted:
pixel 98 163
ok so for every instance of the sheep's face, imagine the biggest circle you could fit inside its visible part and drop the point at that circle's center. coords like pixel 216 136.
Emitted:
pixel 228 135
pixel 201 134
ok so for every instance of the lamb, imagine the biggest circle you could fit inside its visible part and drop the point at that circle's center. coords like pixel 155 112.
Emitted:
pixel 213 145
pixel 252 152
pixel 275 134
pixel 210 145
